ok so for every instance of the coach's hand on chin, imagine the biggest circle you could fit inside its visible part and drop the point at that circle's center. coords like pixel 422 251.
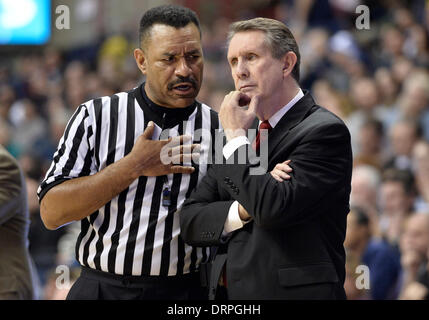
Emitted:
pixel 236 119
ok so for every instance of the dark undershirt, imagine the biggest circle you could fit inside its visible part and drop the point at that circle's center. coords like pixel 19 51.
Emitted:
pixel 173 116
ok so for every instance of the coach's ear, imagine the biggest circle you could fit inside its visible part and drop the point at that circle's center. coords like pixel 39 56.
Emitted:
pixel 289 61
pixel 139 55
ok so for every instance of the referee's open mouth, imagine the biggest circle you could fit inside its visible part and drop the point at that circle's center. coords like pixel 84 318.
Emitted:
pixel 184 88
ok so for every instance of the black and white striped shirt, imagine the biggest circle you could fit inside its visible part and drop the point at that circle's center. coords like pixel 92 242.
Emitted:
pixel 134 233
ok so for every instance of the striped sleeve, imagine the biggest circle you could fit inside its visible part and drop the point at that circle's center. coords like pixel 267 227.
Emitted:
pixel 73 157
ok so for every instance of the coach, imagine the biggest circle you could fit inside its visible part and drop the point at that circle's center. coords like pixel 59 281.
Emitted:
pixel 287 241
pixel 107 172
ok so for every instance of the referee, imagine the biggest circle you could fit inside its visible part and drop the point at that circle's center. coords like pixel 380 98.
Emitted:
pixel 107 172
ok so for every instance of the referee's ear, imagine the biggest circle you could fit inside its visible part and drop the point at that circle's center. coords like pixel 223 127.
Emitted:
pixel 139 55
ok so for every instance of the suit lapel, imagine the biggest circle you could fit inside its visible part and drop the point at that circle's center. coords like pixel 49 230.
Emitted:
pixel 292 118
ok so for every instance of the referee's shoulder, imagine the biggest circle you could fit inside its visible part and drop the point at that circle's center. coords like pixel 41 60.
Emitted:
pixel 207 107
pixel 212 112
pixel 105 101
pixel 214 116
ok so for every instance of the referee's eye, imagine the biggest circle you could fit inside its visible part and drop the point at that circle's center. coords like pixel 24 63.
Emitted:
pixel 169 59
pixel 192 57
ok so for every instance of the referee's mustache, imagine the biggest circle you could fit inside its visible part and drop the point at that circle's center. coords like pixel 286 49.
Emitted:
pixel 180 80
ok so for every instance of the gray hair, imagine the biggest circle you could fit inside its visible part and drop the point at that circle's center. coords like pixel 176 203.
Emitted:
pixel 279 38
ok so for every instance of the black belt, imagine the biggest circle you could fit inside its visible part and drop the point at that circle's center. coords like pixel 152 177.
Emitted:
pixel 188 279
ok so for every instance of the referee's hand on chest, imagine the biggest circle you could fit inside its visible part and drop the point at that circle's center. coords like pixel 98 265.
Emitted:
pixel 161 157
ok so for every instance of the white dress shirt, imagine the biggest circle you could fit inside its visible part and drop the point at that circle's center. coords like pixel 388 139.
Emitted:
pixel 233 221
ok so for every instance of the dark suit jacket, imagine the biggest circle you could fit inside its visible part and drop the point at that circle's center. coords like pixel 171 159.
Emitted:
pixel 16 273
pixel 293 247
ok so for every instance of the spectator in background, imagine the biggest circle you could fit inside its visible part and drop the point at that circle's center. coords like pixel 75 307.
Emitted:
pixel 313 13
pixel 378 255
pixel 315 47
pixel 417 46
pixel 402 68
pixel 74 81
pixel 421 172
pixel 365 99
pixel 52 61
pixel 414 36
pixel 413 101
pixel 403 136
pixel 366 182
pixel 345 61
pixel 370 144
pixel 418 290
pixel 397 194
pixel 59 116
pixel 326 95
pixel 392 42
pixel 414 246
pixel 403 19
pixel 29 128
pixel 387 87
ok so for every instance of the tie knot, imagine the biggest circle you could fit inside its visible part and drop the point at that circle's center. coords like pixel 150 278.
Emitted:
pixel 265 125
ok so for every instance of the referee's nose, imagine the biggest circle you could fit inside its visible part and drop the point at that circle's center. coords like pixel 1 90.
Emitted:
pixel 183 69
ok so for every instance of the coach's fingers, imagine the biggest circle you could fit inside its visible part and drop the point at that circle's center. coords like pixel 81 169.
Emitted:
pixel 276 177
pixel 280 174
pixel 283 167
pixel 283 175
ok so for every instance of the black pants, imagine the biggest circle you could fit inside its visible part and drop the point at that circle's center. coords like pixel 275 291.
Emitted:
pixel 98 285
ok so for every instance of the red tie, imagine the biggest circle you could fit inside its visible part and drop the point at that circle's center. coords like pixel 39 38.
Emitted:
pixel 257 142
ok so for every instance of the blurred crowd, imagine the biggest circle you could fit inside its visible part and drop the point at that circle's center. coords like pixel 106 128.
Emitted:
pixel 375 79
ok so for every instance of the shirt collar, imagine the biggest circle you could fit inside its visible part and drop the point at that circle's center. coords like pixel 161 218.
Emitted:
pixel 162 116
pixel 275 118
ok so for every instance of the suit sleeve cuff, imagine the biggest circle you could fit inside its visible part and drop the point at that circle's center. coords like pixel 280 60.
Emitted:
pixel 233 221
pixel 233 145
